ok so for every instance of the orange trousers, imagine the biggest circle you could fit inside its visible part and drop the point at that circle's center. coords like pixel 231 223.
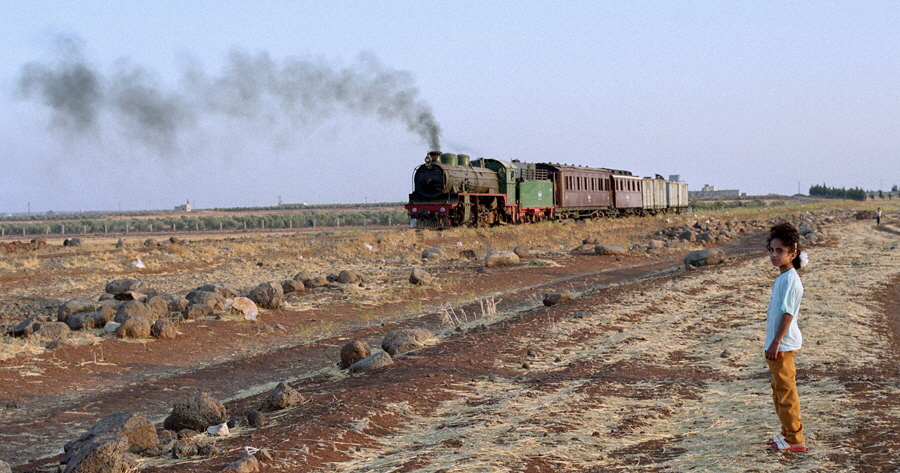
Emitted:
pixel 785 396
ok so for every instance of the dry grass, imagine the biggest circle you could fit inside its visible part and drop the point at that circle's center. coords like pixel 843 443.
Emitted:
pixel 714 322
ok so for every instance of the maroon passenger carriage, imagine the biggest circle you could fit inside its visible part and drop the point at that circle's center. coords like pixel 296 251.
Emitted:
pixel 583 192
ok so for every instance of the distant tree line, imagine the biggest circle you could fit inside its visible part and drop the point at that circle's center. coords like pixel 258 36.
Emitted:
pixel 733 204
pixel 837 193
pixel 65 224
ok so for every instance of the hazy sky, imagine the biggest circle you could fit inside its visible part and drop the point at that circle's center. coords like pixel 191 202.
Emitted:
pixel 108 105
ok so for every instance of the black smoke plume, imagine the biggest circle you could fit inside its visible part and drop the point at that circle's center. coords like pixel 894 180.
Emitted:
pixel 249 86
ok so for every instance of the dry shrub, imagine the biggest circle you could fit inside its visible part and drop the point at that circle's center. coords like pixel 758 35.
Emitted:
pixel 11 347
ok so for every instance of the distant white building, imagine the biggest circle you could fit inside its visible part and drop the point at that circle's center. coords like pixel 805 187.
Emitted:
pixel 710 191
pixel 186 207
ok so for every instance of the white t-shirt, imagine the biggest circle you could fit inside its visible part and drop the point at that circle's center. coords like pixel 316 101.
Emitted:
pixel 786 295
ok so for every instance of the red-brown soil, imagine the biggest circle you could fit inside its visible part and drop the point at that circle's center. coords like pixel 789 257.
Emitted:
pixel 347 423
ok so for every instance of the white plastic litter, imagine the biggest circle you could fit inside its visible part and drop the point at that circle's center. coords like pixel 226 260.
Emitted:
pixel 245 306
pixel 368 245
pixel 251 450
pixel 138 264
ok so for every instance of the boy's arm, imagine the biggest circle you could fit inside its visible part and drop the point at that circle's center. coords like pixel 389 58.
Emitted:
pixel 772 351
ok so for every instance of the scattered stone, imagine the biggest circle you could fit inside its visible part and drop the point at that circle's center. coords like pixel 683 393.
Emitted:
pixel 292 285
pixel 433 254
pixel 248 464
pixel 376 360
pixel 402 345
pixel 420 277
pixel 120 243
pixel 158 307
pixel 348 277
pixel 419 335
pixel 224 290
pixel 705 257
pixel 282 397
pixel 610 249
pixel 184 448
pixel 268 295
pixel 123 285
pixel 237 421
pixel 688 235
pixel 208 450
pixel 467 254
pixel 53 331
pixel 256 419
pixel 302 276
pixel 316 281
pixel 591 240
pixel 553 298
pixel 109 308
pixel 64 343
pixel 353 352
pixel 218 430
pixel 27 326
pixel 151 242
pixel 164 329
pixel 188 434
pixel 725 353
pixel 196 311
pixel 130 309
pixel 86 320
pixel 214 300
pixel 501 258
pixel 99 455
pixel 131 296
pixel 166 439
pixel 197 413
pixel 522 252
pixel 111 327
pixel 134 327
pixel 76 306
pixel 104 446
pixel 656 244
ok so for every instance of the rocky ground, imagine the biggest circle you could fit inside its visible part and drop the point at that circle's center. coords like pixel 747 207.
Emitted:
pixel 650 367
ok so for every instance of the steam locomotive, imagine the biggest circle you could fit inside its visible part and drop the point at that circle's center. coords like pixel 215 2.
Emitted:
pixel 451 190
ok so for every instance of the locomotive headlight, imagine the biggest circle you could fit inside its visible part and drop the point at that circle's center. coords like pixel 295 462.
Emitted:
pixel 415 210
pixel 443 210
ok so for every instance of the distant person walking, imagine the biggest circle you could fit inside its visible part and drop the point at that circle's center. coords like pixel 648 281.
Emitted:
pixel 783 338
pixel 878 216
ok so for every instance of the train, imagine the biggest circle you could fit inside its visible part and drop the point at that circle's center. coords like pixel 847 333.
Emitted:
pixel 453 190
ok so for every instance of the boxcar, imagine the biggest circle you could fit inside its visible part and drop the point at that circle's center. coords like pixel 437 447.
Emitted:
pixel 653 194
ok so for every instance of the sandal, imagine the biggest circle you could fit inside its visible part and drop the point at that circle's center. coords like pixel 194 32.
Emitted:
pixel 775 439
pixel 783 445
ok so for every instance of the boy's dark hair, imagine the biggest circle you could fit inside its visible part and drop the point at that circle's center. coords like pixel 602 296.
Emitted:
pixel 789 236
